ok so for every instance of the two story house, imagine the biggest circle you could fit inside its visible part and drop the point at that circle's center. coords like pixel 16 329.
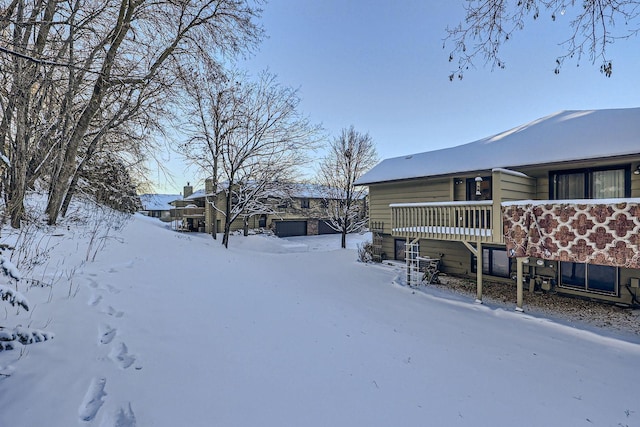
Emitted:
pixel 188 212
pixel 553 204
pixel 298 210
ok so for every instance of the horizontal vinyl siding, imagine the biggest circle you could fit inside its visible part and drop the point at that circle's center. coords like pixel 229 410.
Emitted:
pixel 517 188
pixel 542 190
pixel 415 191
pixel 454 256
pixel 635 184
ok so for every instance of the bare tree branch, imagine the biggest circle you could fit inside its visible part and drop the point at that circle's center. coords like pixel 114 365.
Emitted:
pixel 593 26
pixel 350 155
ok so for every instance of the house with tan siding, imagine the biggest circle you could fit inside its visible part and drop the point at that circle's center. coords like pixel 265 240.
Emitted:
pixel 300 210
pixel 188 212
pixel 553 205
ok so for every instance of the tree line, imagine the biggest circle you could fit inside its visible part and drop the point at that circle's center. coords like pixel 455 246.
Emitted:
pixel 84 87
pixel 89 88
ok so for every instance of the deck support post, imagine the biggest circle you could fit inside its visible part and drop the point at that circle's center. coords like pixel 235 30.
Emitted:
pixel 519 283
pixel 479 273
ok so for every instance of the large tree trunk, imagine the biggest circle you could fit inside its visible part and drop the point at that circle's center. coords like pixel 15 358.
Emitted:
pixel 62 182
pixel 25 77
pixel 18 172
pixel 227 220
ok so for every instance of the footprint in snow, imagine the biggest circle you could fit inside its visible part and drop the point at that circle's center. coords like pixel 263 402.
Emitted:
pixel 122 417
pixel 120 355
pixel 113 289
pixel 93 399
pixel 92 282
pixel 125 417
pixel 94 300
pixel 107 334
pixel 113 312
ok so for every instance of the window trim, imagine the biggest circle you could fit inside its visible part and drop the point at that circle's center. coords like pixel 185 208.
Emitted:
pixel 588 173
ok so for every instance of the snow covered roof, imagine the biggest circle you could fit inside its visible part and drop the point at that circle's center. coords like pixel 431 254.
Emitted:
pixel 157 202
pixel 560 137
pixel 308 191
pixel 196 195
pixel 296 190
pixel 312 191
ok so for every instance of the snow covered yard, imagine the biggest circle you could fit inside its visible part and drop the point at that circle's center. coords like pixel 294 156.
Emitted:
pixel 168 329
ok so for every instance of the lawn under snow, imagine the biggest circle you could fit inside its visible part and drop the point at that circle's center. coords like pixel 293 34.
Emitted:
pixel 168 329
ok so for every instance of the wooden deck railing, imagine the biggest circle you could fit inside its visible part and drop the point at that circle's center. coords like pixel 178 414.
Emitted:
pixel 460 221
pixel 186 212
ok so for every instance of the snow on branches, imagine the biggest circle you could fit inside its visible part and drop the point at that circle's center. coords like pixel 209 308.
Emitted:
pixel 9 269
pixel 13 297
pixel 7 294
pixel 9 337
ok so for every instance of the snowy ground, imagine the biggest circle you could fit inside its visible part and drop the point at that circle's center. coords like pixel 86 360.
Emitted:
pixel 167 329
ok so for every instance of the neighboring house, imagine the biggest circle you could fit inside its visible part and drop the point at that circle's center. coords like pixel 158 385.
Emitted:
pixel 302 211
pixel 157 205
pixel 553 204
pixel 305 213
pixel 188 211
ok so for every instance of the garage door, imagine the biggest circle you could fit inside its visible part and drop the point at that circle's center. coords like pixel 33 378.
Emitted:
pixel 291 228
pixel 324 228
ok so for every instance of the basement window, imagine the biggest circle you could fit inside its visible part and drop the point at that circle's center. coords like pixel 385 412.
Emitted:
pixel 495 262
pixel 589 277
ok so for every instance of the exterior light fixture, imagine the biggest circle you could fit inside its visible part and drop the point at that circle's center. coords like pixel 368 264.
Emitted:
pixel 637 171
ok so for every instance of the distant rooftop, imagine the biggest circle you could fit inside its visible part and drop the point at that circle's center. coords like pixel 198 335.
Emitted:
pixel 559 137
pixel 157 202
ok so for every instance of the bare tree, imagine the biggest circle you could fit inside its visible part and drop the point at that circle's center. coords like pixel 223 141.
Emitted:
pixel 350 155
pixel 167 30
pixel 489 24
pixel 74 71
pixel 271 143
pixel 212 107
pixel 264 196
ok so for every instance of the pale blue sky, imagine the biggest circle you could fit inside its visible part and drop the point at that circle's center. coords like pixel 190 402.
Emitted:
pixel 379 65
